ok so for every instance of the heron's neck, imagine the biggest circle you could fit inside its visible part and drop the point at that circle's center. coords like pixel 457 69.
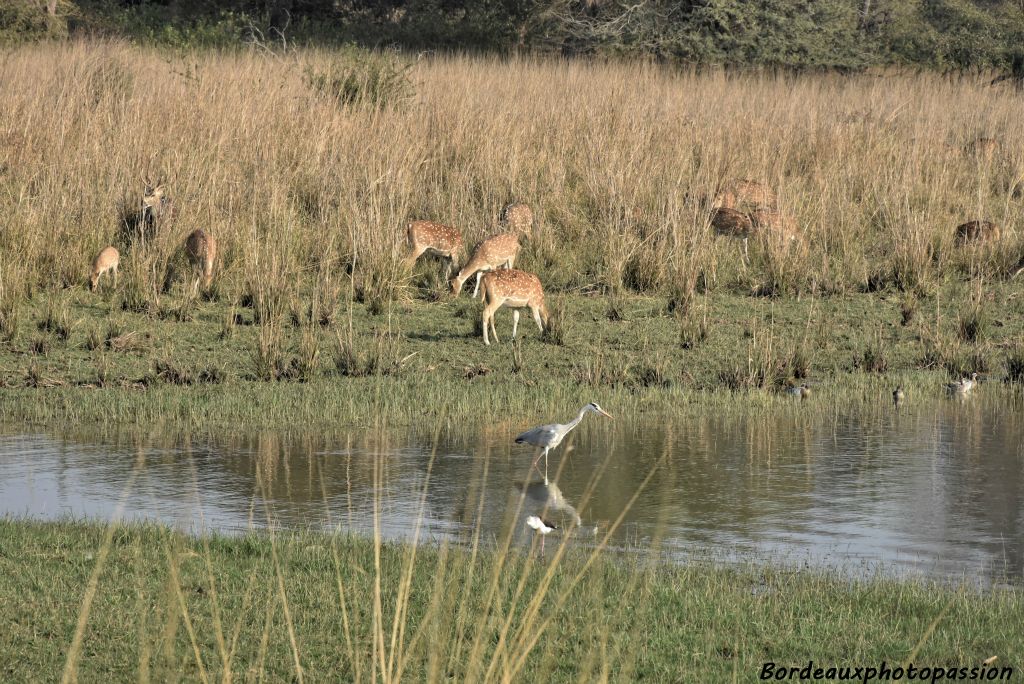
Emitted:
pixel 577 419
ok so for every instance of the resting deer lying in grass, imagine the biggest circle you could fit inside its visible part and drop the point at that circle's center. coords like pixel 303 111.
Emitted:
pixel 765 224
pixel 514 289
pixel 982 149
pixel 732 223
pixel 435 238
pixel 743 192
pixel 772 224
pixel 106 261
pixel 977 232
pixel 517 217
pixel 201 252
pixel 499 251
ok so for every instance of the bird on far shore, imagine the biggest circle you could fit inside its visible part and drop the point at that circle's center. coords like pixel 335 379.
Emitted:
pixel 963 386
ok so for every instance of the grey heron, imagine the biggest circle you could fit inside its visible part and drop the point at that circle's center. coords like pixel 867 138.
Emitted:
pixel 547 437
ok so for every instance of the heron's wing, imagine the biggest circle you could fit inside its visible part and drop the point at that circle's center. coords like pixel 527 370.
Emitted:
pixel 539 436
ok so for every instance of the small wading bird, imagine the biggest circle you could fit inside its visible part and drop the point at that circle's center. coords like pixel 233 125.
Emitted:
pixel 545 528
pixel 800 391
pixel 547 437
pixel 963 387
pixel 898 397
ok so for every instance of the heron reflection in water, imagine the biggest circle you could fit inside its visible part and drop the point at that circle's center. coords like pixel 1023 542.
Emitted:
pixel 544 509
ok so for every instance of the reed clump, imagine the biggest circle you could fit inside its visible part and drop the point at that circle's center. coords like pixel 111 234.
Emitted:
pixel 1015 365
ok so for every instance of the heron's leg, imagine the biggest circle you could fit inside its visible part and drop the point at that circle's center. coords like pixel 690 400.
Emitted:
pixel 515 322
pixel 540 452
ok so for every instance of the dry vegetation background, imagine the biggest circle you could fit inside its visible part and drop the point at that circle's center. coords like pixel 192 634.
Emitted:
pixel 620 161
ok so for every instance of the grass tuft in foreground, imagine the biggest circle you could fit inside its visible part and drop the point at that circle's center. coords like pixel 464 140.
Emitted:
pixel 122 603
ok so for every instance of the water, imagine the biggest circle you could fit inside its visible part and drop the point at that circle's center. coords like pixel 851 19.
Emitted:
pixel 937 491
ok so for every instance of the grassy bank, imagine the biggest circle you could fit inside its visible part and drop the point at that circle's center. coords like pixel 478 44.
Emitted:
pixel 78 358
pixel 147 603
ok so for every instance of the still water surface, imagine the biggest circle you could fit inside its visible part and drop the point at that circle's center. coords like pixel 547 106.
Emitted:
pixel 935 491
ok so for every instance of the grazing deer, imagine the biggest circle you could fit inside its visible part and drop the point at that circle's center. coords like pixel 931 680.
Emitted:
pixel 436 238
pixel 514 289
pixel 499 251
pixel 517 217
pixel 977 232
pixel 106 261
pixel 743 192
pixel 201 252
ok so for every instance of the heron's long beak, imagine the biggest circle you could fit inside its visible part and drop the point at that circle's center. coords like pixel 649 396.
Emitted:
pixel 605 414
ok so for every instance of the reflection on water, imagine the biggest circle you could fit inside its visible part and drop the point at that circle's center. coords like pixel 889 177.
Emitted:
pixel 937 490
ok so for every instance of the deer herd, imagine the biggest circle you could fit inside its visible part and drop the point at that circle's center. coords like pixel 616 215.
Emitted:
pixel 742 209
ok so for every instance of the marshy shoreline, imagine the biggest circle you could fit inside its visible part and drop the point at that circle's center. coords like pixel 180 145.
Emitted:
pixel 78 359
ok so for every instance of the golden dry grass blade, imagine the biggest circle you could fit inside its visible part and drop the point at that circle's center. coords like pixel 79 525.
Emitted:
pixel 70 673
pixel 175 578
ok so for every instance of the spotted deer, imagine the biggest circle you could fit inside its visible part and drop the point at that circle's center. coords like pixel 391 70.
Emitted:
pixel 977 232
pixel 982 149
pixel 732 223
pixel 499 251
pixel 742 192
pixel 156 205
pixel 517 216
pixel 107 261
pixel 772 224
pixel 514 289
pixel 435 238
pixel 201 252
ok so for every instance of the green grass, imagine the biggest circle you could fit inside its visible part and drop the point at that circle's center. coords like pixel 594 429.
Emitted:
pixel 422 360
pixel 166 607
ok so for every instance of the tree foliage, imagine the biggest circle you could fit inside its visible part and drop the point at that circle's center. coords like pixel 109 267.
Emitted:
pixel 836 34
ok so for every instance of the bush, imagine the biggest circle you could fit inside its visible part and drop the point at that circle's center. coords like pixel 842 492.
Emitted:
pixel 356 76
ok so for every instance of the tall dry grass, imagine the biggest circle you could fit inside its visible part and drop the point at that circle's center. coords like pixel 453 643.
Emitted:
pixel 619 162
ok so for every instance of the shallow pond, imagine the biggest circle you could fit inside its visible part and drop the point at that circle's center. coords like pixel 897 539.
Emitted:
pixel 937 490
